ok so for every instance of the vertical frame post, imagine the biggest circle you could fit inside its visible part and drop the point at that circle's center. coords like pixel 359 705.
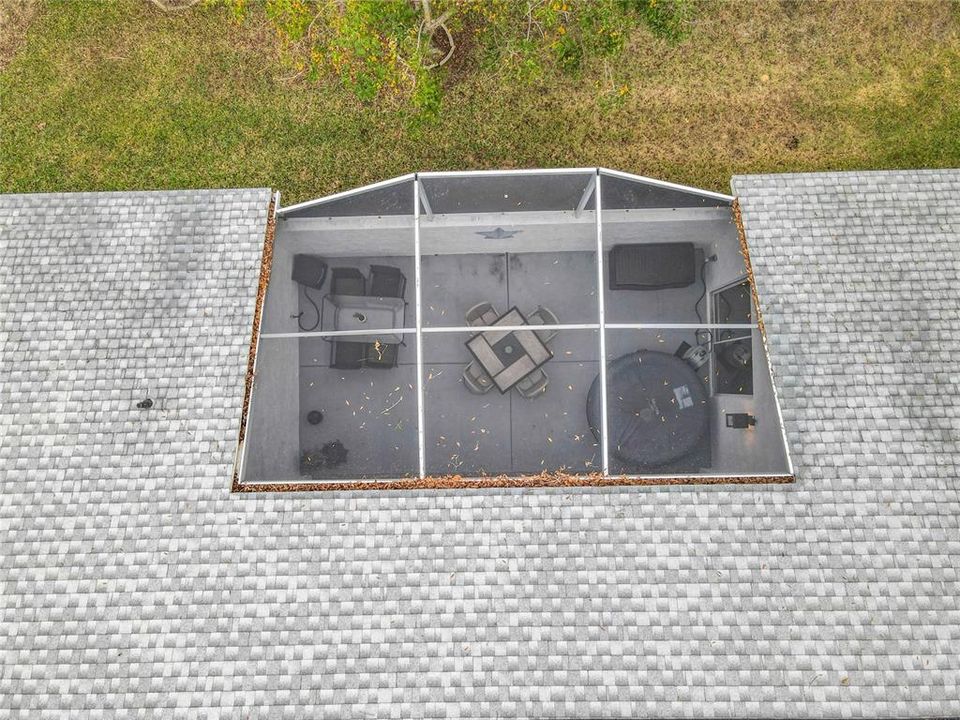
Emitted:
pixel 421 451
pixel 603 329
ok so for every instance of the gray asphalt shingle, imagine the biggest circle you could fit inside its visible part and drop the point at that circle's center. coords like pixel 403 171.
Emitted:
pixel 134 584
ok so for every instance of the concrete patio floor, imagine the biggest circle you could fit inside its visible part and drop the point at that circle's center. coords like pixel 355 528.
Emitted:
pixel 373 411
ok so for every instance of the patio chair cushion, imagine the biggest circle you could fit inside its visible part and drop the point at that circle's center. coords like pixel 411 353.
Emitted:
pixel 387 281
pixel 476 379
pixel 533 384
pixel 381 356
pixel 347 355
pixel 309 270
pixel 652 266
pixel 482 314
pixel 544 316
pixel 347 281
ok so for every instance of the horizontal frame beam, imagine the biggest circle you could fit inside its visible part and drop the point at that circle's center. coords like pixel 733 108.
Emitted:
pixel 474 329
pixel 504 173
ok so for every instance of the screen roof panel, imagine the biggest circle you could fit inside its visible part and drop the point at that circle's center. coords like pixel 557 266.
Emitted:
pixel 621 192
pixel 504 193
pixel 392 197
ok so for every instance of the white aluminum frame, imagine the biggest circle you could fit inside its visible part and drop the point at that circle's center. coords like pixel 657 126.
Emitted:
pixel 337 333
pixel 473 329
pixel 601 313
pixel 505 173
pixel 594 187
pixel 417 273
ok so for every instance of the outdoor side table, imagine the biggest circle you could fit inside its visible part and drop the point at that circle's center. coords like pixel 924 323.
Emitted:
pixel 508 356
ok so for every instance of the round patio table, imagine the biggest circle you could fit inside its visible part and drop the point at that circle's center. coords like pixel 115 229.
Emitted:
pixel 656 408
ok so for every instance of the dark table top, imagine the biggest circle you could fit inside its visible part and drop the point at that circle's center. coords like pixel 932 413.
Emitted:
pixel 508 356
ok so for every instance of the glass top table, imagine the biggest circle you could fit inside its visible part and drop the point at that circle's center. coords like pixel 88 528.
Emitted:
pixel 360 312
pixel 508 356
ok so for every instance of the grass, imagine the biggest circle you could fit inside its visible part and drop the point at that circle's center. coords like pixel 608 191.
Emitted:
pixel 118 95
pixel 15 18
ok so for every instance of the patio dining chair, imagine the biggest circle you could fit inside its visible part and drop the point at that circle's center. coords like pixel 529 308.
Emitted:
pixel 381 355
pixel 476 379
pixel 482 314
pixel 533 384
pixel 544 316
pixel 347 281
pixel 387 281
pixel 347 355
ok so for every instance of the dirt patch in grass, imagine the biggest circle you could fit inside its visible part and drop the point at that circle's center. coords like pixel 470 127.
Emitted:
pixel 463 63
pixel 15 18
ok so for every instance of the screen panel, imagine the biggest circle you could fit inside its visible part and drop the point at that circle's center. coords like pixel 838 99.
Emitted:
pixel 624 193
pixel 662 262
pixel 485 193
pixel 532 273
pixel 343 273
pixel 670 412
pixel 328 409
pixel 486 415
pixel 388 198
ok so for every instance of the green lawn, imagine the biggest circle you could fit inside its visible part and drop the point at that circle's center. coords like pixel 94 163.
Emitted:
pixel 118 95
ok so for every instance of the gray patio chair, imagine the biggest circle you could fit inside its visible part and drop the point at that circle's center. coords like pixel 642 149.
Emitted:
pixel 381 355
pixel 346 355
pixel 347 281
pixel 482 314
pixel 387 281
pixel 544 316
pixel 533 384
pixel 476 379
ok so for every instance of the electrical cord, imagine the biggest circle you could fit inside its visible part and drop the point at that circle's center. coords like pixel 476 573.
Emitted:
pixel 703 336
pixel 315 308
pixel 703 281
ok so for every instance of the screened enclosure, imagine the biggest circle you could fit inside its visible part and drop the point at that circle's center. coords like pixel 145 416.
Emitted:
pixel 583 322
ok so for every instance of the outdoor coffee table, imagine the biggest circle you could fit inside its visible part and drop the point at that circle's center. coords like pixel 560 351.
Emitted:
pixel 508 356
pixel 360 312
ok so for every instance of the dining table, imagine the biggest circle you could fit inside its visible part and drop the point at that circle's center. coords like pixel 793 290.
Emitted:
pixel 508 355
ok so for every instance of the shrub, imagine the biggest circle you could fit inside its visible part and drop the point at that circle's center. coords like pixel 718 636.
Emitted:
pixel 399 48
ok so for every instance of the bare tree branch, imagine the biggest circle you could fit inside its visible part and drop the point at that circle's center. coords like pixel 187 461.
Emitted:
pixel 427 14
pixel 434 49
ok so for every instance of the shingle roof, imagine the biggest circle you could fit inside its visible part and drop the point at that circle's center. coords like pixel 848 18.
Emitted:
pixel 134 583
